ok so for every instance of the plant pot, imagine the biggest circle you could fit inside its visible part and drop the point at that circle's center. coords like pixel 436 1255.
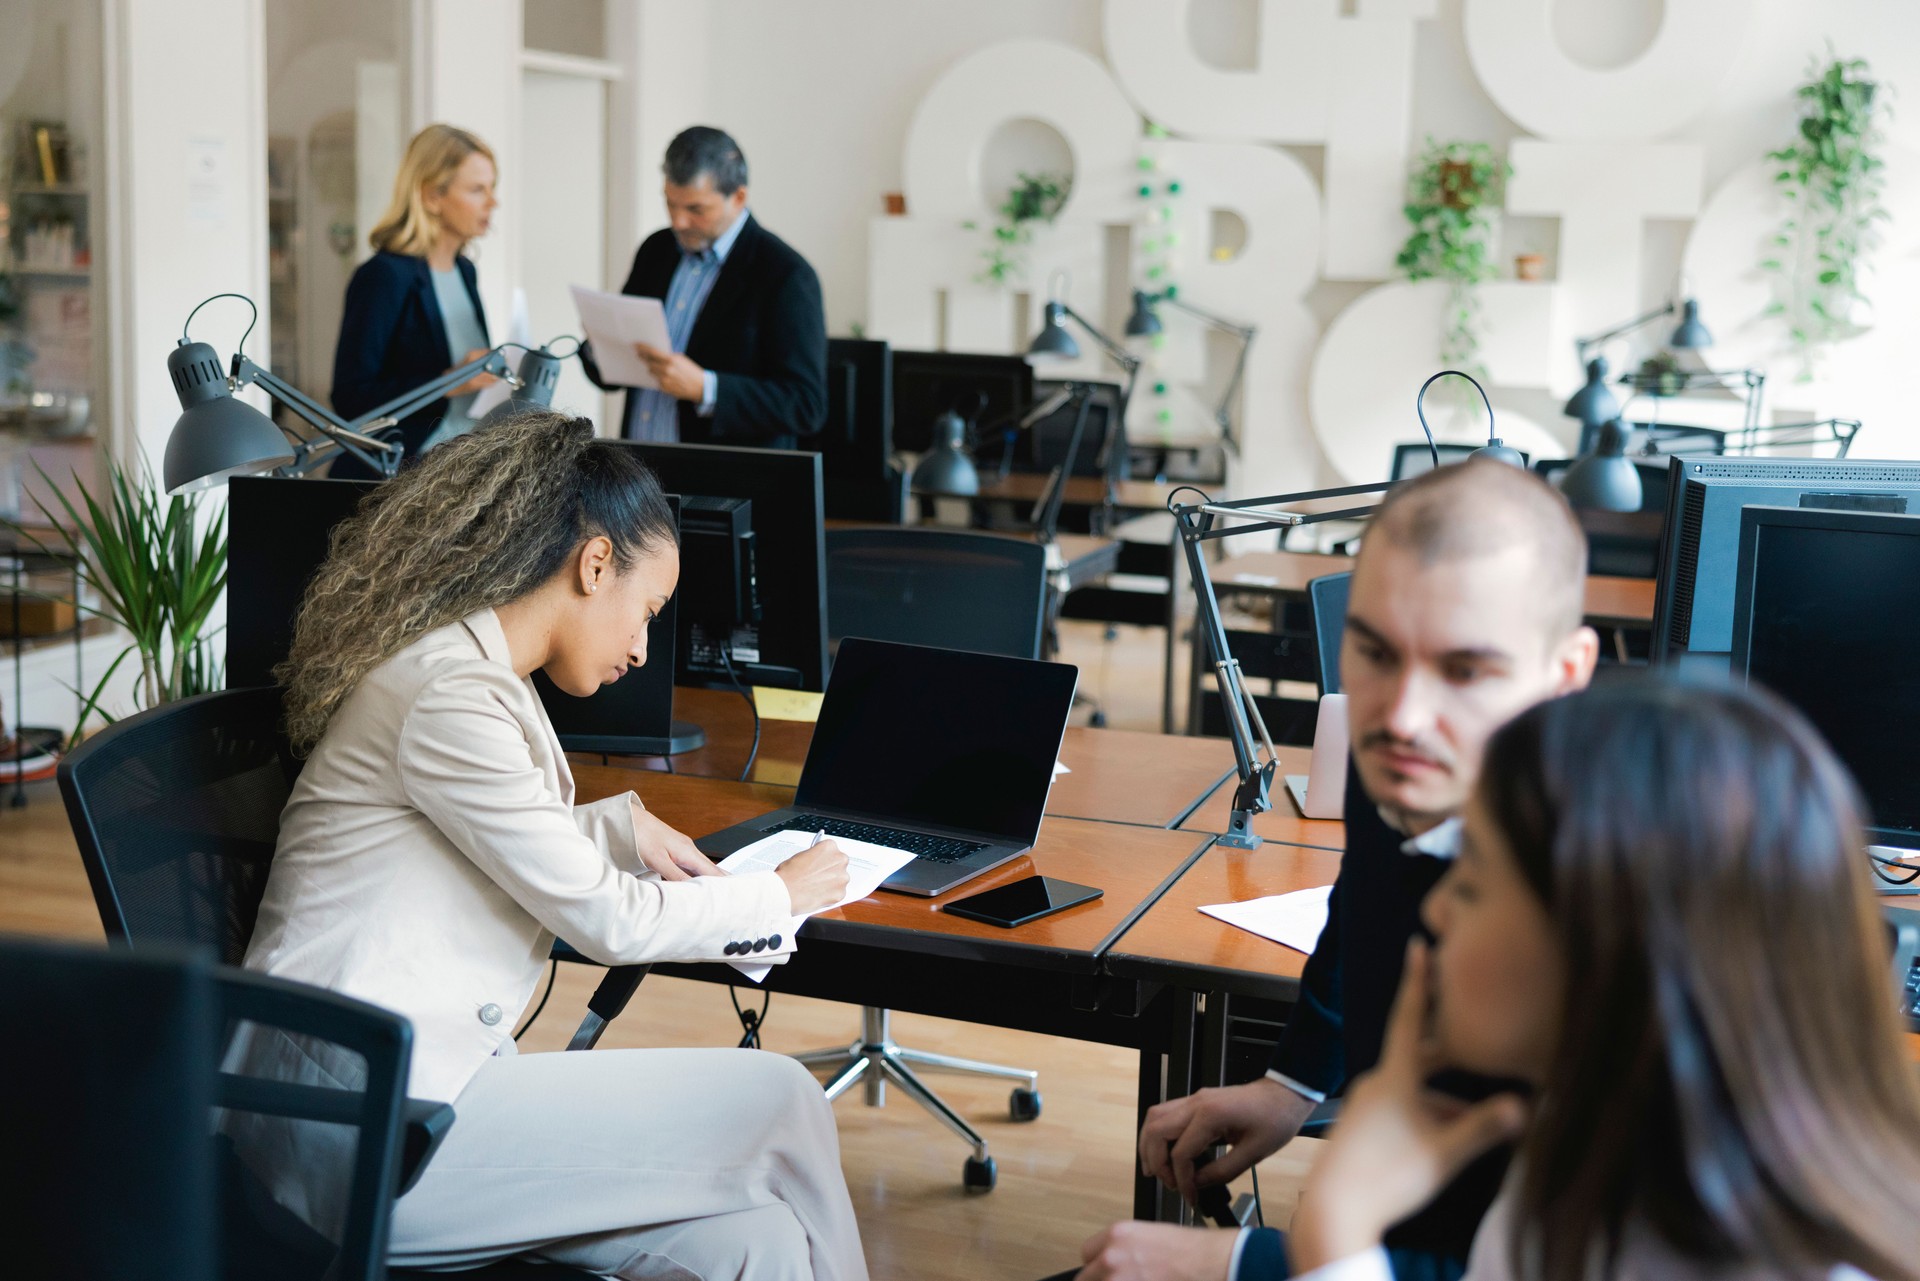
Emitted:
pixel 1529 267
pixel 896 202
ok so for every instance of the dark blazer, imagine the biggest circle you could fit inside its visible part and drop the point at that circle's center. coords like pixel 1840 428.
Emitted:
pixel 1338 1027
pixel 763 331
pixel 393 339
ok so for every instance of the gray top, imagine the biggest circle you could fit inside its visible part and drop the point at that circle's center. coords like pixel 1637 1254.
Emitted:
pixel 464 334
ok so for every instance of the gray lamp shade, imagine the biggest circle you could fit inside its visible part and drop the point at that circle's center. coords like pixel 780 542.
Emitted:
pixel 1691 335
pixel 1594 404
pixel 1606 479
pixel 216 436
pixel 946 470
pixel 1053 342
pixel 539 373
pixel 1500 452
pixel 1144 322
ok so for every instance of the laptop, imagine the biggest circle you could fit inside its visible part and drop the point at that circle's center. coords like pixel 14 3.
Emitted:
pixel 942 753
pixel 1322 791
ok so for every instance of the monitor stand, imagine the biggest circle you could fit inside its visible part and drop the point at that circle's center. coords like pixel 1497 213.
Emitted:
pixel 683 737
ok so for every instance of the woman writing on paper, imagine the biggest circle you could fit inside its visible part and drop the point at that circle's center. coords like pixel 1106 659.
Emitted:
pixel 413 309
pixel 431 852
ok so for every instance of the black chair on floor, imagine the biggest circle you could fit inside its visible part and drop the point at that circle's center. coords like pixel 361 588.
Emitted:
pixel 177 811
pixel 956 590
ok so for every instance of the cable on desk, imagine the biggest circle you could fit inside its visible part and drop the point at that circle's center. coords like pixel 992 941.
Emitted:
pixel 1259 1213
pixel 1881 862
pixel 669 761
pixel 553 972
pixel 726 660
pixel 751 1021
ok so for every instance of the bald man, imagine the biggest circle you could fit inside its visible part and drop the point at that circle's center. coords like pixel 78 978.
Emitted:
pixel 1464 610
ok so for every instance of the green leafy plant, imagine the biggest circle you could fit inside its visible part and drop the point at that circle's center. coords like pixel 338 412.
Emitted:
pixel 1831 178
pixel 1033 198
pixel 1454 192
pixel 156 569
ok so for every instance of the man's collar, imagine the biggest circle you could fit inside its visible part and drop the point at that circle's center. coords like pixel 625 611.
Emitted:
pixel 1442 840
pixel 723 244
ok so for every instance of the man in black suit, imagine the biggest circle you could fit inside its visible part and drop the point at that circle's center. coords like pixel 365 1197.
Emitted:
pixel 749 359
pixel 1465 609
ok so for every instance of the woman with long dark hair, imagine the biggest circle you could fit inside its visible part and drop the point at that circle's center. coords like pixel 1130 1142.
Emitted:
pixel 1660 928
pixel 431 852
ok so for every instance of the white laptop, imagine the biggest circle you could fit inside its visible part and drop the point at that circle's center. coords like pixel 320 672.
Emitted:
pixel 1322 791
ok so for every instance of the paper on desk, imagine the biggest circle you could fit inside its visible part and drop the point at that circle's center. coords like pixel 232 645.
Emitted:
pixel 1059 769
pixel 519 330
pixel 1295 919
pixel 867 866
pixel 614 323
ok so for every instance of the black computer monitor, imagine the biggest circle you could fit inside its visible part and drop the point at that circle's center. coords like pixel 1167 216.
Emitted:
pixel 1825 614
pixel 856 446
pixel 1413 458
pixel 1699 549
pixel 787 647
pixel 278 532
pixel 984 390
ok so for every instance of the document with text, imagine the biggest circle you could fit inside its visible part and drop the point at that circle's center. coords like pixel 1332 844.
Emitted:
pixel 867 866
pixel 614 323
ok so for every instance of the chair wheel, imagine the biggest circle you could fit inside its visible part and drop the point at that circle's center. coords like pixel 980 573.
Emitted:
pixel 979 1176
pixel 1098 720
pixel 1025 1105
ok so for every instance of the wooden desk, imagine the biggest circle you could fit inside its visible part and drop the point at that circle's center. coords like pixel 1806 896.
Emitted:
pixel 1133 496
pixel 1118 776
pixel 1611 602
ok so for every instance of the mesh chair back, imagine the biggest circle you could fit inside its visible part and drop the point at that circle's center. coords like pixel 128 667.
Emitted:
pixel 950 588
pixel 1328 598
pixel 176 812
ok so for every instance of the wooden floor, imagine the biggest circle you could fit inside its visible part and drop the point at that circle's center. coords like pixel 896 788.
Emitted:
pixel 1062 1177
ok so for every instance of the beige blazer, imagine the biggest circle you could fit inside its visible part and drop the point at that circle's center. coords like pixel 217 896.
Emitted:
pixel 431 851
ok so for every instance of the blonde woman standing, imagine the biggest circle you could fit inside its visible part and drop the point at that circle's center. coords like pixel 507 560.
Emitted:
pixel 413 309
pixel 431 851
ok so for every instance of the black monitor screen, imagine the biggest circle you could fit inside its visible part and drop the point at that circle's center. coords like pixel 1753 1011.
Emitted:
pixel 983 390
pixel 1830 609
pixel 277 532
pixel 788 646
pixel 939 737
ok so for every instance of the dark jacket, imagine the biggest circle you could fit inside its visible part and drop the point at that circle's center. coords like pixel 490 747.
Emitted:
pixel 1340 1022
pixel 392 340
pixel 763 331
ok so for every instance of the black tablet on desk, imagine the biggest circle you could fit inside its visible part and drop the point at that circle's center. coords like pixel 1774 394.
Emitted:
pixel 1027 899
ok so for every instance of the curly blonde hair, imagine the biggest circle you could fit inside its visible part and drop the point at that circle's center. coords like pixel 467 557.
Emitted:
pixel 480 521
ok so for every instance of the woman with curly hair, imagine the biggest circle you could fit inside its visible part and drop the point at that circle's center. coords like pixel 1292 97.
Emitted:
pixel 431 852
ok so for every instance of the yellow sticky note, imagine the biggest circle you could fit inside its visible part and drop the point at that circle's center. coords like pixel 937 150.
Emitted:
pixel 786 704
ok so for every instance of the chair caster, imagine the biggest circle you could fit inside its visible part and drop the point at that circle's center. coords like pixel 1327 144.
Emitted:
pixel 1098 720
pixel 1025 1105
pixel 979 1176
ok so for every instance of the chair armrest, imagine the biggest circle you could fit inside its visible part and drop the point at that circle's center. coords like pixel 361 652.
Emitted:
pixel 426 1124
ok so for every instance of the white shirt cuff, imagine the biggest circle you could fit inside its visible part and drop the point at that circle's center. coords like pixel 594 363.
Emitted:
pixel 1239 1248
pixel 709 392
pixel 1304 1091
pixel 1368 1265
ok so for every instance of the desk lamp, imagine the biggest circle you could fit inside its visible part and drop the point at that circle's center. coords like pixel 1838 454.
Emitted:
pixel 1605 479
pixel 1145 322
pixel 946 470
pixel 1593 404
pixel 218 437
pixel 1253 757
pixel 1495 448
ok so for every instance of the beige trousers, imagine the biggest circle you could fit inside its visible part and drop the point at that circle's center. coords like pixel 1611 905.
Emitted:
pixel 715 1165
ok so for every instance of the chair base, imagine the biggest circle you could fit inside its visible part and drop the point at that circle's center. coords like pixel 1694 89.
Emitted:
pixel 877 1058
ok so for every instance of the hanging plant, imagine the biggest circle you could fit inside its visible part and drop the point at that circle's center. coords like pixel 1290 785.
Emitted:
pixel 1830 178
pixel 1032 198
pixel 1453 199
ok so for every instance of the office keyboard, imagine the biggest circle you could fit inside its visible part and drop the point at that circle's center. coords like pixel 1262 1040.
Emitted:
pixel 936 849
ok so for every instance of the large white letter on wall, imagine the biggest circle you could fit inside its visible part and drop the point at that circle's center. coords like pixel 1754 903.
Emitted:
pixel 1319 78
pixel 1523 68
pixel 1603 193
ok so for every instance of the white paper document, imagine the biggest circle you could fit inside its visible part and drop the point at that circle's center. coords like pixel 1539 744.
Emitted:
pixel 614 323
pixel 1295 919
pixel 1059 769
pixel 867 866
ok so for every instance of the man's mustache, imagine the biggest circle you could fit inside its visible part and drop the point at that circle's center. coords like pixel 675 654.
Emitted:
pixel 1421 747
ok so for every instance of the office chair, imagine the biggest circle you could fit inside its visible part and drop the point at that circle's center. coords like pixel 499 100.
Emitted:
pixel 956 590
pixel 1327 597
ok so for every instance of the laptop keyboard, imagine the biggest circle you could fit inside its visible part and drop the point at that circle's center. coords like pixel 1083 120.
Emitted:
pixel 935 849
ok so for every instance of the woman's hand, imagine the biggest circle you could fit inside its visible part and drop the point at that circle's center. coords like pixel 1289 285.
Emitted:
pixel 671 854
pixel 1397 1143
pixel 476 382
pixel 1135 1251
pixel 816 878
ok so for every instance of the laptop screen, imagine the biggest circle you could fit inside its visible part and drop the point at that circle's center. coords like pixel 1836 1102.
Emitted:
pixel 938 737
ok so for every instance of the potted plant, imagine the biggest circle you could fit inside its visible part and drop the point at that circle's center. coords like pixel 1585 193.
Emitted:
pixel 1033 198
pixel 1830 178
pixel 1453 199
pixel 154 566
